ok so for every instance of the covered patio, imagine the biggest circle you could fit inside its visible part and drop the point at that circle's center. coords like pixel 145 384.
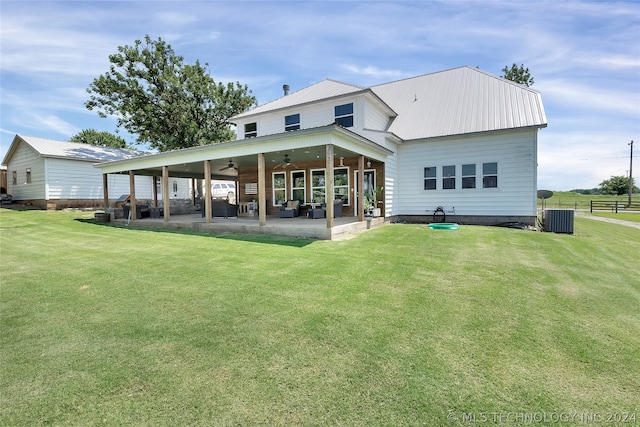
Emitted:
pixel 292 227
pixel 314 166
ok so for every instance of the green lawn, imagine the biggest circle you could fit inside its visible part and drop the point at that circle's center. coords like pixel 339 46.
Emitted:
pixel 401 325
pixel 568 199
pixel 624 216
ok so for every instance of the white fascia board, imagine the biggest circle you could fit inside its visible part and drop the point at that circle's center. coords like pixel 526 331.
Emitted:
pixel 330 134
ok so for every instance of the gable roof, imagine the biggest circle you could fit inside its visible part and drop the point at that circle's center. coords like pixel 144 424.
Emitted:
pixel 325 89
pixel 70 150
pixel 459 101
pixel 452 102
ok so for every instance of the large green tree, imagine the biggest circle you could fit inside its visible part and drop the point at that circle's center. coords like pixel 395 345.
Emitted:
pixel 518 74
pixel 101 138
pixel 165 102
pixel 617 185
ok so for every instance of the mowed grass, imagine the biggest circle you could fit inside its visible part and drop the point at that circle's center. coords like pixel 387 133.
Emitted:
pixel 401 325
pixel 624 216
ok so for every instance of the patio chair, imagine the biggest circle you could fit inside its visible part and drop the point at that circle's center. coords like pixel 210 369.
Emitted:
pixel 289 209
pixel 337 208
pixel 322 212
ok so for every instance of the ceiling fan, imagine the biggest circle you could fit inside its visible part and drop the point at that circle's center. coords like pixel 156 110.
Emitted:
pixel 285 162
pixel 229 166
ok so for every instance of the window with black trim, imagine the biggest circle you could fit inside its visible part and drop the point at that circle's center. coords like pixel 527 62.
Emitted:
pixel 469 176
pixel 292 122
pixel 449 177
pixel 430 178
pixel 344 115
pixel 250 130
pixel 490 175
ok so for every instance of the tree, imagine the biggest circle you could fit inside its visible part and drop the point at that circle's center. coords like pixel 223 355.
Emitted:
pixel 518 74
pixel 617 185
pixel 163 101
pixel 94 137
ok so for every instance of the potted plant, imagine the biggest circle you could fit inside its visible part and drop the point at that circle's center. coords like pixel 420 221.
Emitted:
pixel 102 216
pixel 371 203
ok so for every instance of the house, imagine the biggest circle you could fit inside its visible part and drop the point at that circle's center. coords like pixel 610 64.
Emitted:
pixel 56 174
pixel 461 139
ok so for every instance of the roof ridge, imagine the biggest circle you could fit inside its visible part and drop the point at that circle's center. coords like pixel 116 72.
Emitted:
pixel 419 76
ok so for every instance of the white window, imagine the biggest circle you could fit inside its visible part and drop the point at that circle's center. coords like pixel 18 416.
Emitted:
pixel 490 175
pixel 341 185
pixel 318 186
pixel 344 115
pixel 298 186
pixel 449 177
pixel 15 177
pixel 250 130
pixel 28 175
pixel 279 188
pixel 469 176
pixel 292 122
pixel 430 178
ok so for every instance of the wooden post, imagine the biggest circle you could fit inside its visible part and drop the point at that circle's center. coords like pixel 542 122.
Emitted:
pixel 105 190
pixel 194 182
pixel 361 188
pixel 155 191
pixel 329 185
pixel 207 191
pixel 262 188
pixel 132 195
pixel 166 204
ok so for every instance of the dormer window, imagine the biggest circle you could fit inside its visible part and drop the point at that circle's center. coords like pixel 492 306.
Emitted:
pixel 344 115
pixel 292 122
pixel 251 130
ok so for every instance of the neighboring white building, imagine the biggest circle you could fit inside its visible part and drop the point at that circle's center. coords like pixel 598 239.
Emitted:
pixel 460 139
pixel 56 174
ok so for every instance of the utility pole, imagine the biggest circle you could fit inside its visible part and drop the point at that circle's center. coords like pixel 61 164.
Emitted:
pixel 630 172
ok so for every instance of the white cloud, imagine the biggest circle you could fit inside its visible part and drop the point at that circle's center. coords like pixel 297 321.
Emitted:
pixel 372 71
pixel 45 122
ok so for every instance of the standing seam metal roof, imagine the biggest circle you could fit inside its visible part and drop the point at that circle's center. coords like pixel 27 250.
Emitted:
pixel 459 101
pixel 319 91
pixel 452 102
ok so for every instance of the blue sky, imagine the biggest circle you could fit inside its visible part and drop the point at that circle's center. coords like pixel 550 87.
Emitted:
pixel 584 57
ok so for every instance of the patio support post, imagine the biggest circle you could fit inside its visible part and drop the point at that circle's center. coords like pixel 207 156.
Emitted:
pixel 329 181
pixel 166 204
pixel 360 194
pixel 105 190
pixel 194 182
pixel 155 191
pixel 207 191
pixel 262 186
pixel 132 195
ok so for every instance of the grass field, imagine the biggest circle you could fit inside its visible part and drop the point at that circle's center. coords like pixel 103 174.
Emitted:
pixel 568 199
pixel 401 325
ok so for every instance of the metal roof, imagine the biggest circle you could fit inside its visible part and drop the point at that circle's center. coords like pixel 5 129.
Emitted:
pixel 452 102
pixel 325 89
pixel 459 101
pixel 71 150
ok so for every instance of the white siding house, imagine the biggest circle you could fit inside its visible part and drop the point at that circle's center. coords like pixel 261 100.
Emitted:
pixel 459 139
pixel 55 174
